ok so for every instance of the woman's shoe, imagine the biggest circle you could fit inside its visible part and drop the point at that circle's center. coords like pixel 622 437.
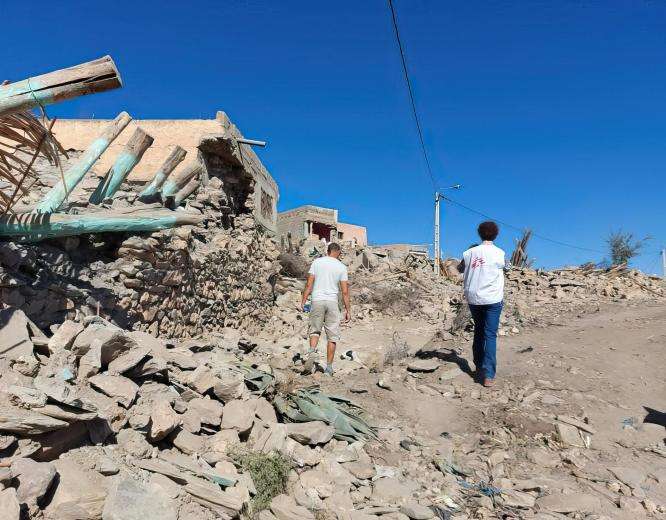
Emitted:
pixel 489 382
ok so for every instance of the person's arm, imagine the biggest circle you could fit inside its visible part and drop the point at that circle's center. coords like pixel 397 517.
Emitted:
pixel 344 286
pixel 307 291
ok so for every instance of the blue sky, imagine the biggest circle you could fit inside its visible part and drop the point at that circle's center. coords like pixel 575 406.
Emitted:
pixel 552 114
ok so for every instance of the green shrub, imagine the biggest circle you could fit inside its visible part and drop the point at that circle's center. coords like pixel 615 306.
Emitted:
pixel 269 472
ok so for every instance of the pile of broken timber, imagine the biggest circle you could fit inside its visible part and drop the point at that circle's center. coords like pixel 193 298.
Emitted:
pixel 45 221
pixel 519 257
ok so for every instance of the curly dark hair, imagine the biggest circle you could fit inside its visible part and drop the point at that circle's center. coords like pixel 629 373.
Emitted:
pixel 488 230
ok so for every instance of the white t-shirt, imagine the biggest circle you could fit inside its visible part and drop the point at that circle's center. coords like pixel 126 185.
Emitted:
pixel 328 273
pixel 484 274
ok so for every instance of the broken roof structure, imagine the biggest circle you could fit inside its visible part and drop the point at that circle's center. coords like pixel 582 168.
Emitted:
pixel 213 142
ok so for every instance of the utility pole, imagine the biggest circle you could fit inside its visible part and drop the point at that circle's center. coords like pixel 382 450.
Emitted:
pixel 437 266
pixel 438 247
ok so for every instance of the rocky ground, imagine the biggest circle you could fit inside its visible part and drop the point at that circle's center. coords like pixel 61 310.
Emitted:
pixel 98 422
pixel 574 429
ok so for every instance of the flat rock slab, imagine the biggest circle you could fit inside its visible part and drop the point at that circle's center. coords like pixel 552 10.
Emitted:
pixel 120 388
pixel 14 338
pixel 569 435
pixel 518 499
pixel 211 496
pixel 65 335
pixel 10 508
pixel 80 493
pixel 569 503
pixel 134 443
pixel 27 422
pixel 131 500
pixel 629 476
pixel 207 411
pixel 392 490
pixel 128 360
pixel 61 392
pixel 187 442
pixel 361 470
pixel 416 511
pixel 66 413
pixel 423 365
pixel 112 341
pixel 450 373
pixel 238 415
pixel 163 420
pixel 34 478
pixel 581 425
pixel 313 432
pixel 285 508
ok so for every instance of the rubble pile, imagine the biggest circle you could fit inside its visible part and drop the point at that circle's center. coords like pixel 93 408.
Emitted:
pixel 404 287
pixel 174 283
pixel 100 423
pixel 533 295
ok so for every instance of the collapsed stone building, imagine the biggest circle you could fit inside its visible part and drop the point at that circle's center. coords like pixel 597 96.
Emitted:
pixel 172 282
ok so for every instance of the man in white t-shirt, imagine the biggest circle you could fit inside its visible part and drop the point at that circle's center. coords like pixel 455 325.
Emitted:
pixel 326 279
pixel 483 282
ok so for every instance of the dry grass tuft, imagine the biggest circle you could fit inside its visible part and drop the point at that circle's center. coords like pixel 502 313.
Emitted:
pixel 269 473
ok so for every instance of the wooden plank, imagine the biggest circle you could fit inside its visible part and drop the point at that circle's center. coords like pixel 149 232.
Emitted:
pixel 178 181
pixel 86 78
pixel 127 159
pixel 55 197
pixel 33 227
pixel 176 156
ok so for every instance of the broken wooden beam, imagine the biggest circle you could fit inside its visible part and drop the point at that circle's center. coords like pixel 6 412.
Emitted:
pixel 53 87
pixel 33 227
pixel 174 184
pixel 176 156
pixel 127 159
pixel 55 197
pixel 186 191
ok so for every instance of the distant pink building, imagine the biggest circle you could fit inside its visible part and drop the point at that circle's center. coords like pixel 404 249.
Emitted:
pixel 358 235
pixel 313 222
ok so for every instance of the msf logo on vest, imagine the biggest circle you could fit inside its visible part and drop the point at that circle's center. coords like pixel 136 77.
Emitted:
pixel 477 262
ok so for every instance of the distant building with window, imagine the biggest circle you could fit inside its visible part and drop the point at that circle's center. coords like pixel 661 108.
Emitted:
pixel 316 223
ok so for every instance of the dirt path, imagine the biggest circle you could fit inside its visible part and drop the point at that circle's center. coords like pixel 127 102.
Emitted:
pixel 606 368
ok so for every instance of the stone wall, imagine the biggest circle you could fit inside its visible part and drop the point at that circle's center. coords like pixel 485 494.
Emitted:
pixel 174 283
pixel 179 282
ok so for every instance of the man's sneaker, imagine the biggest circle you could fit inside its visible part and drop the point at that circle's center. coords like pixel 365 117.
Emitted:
pixel 329 370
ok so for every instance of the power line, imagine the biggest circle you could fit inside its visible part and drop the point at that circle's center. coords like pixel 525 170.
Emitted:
pixel 411 94
pixel 506 224
pixel 424 150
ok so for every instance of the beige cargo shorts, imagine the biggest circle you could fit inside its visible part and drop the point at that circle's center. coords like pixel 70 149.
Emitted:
pixel 326 315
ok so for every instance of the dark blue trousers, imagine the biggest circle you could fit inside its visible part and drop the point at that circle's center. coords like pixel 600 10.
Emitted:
pixel 486 322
